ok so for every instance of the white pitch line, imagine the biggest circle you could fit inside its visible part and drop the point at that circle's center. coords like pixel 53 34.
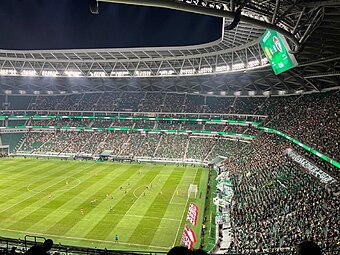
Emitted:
pixel 59 190
pixel 138 197
pixel 185 208
pixel 151 217
pixel 173 194
pixel 34 194
pixel 83 239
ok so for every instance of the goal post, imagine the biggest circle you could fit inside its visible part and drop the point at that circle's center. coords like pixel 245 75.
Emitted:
pixel 192 189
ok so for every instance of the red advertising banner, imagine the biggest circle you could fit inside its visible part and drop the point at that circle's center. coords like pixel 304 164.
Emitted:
pixel 188 238
pixel 192 214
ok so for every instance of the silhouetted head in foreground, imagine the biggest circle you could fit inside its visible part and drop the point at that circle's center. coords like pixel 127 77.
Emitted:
pixel 308 248
pixel 48 244
pixel 181 250
pixel 40 250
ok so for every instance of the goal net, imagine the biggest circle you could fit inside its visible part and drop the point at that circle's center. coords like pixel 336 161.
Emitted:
pixel 192 189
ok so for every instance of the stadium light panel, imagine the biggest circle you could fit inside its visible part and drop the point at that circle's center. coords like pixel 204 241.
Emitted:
pixel 143 73
pixel 277 50
pixel 166 72
pixel 8 72
pixel 22 92
pixel 29 73
pixel 73 73
pixel 282 92
pixel 223 93
pixel 97 74
pixel 264 61
pixel 251 93
pixel 266 93
pixel 49 73
pixel 188 71
pixel 205 70
pixel 253 63
pixel 238 66
pixel 222 68
pixel 219 6
pixel 120 73
pixel 204 3
pixel 49 92
pixel 237 93
pixel 36 92
pixel 8 91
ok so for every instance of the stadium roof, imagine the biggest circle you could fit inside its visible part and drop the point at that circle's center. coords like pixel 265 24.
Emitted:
pixel 236 62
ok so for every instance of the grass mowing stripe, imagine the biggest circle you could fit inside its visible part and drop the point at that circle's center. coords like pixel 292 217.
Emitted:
pixel 68 202
pixel 155 207
pixel 122 207
pixel 32 210
pixel 88 190
pixel 99 210
pixel 21 169
pixel 179 194
pixel 55 201
pixel 27 198
pixel 158 208
pixel 22 176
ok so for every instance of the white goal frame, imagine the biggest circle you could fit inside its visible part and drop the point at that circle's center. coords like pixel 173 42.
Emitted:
pixel 192 189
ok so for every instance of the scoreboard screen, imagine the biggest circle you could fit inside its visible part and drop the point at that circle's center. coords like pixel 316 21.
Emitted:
pixel 277 49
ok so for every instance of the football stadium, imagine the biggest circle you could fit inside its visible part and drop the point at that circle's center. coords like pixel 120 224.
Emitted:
pixel 219 133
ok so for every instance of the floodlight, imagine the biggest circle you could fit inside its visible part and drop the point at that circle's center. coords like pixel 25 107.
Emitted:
pixel 73 73
pixel 49 73
pixel 8 72
pixel 253 63
pixel 143 73
pixel 205 70
pixel 188 71
pixel 238 66
pixel 222 68
pixel 97 74
pixel 29 73
pixel 120 73
pixel 166 72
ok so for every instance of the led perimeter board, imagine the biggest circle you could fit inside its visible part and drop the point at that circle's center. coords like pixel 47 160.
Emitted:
pixel 277 49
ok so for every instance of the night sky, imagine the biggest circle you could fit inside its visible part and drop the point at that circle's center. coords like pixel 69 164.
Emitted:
pixel 68 24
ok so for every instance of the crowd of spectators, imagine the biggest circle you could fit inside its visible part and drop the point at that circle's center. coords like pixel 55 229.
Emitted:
pixel 311 119
pixel 138 144
pixel 276 203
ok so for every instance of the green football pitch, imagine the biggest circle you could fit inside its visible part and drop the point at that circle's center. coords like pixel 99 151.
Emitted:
pixel 86 203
